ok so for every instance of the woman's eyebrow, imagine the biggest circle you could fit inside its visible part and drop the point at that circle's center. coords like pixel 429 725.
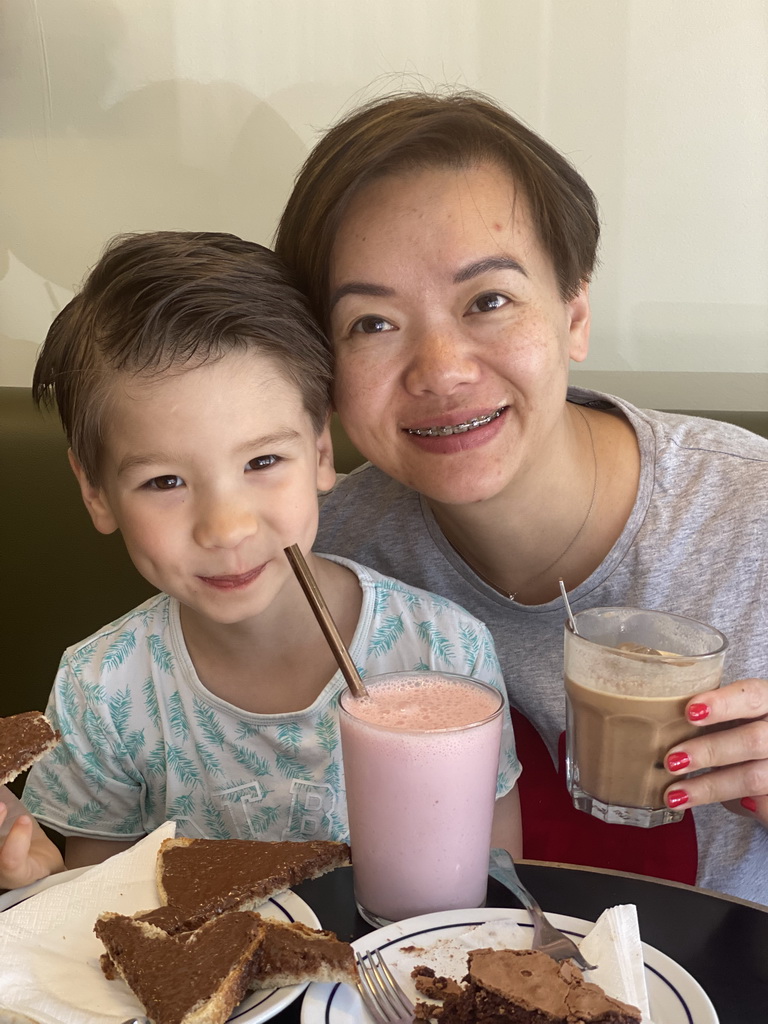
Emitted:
pixel 359 288
pixel 474 269
pixel 487 264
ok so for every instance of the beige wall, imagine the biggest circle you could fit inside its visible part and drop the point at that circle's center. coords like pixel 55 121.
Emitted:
pixel 121 115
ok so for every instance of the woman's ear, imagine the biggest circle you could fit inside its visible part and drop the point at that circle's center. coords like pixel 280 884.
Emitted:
pixel 94 498
pixel 580 318
pixel 326 471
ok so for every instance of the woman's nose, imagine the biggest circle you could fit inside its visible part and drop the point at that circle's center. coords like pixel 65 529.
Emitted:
pixel 224 523
pixel 440 359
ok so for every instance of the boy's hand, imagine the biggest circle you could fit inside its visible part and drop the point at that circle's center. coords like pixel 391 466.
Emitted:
pixel 26 854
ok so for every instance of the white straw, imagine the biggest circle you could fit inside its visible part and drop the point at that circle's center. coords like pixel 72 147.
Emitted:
pixel 568 607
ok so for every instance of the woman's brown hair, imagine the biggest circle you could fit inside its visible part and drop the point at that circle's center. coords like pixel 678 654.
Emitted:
pixel 415 130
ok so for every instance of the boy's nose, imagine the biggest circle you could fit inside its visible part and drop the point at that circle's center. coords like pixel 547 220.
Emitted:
pixel 224 524
pixel 441 359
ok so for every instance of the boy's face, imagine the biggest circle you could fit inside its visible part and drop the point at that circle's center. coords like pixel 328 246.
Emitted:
pixel 209 474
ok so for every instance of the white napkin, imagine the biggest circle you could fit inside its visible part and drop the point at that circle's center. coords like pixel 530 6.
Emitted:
pixel 49 955
pixel 613 944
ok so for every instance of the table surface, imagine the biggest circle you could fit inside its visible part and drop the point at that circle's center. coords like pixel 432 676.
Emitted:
pixel 722 943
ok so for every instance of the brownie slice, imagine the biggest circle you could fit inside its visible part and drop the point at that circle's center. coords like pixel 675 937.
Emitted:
pixel 512 986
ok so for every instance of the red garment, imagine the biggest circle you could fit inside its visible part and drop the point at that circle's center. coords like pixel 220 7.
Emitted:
pixel 553 830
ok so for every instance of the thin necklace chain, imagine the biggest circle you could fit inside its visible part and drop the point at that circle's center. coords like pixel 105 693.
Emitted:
pixel 568 546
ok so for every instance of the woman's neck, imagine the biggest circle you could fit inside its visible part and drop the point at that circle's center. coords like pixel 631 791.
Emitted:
pixel 554 520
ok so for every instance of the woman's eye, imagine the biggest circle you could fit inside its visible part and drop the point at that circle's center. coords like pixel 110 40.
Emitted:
pixel 371 325
pixel 164 483
pixel 263 462
pixel 487 302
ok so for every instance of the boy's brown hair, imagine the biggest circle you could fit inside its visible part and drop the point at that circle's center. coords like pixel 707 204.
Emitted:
pixel 416 130
pixel 169 301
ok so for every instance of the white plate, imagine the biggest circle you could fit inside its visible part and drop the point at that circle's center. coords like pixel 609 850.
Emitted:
pixel 258 1006
pixel 15 896
pixel 265 1003
pixel 675 997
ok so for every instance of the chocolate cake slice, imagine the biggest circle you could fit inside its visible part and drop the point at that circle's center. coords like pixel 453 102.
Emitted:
pixel 524 986
pixel 24 739
pixel 202 877
pixel 198 978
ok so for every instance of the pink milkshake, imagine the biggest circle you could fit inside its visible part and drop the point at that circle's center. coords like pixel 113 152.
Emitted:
pixel 421 757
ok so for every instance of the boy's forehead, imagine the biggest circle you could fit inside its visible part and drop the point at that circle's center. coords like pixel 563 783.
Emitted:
pixel 221 372
pixel 239 390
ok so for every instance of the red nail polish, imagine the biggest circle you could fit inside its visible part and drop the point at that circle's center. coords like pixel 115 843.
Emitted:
pixel 696 712
pixel 749 804
pixel 677 761
pixel 676 798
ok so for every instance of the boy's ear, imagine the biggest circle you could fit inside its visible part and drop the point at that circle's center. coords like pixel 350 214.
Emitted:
pixel 94 498
pixel 326 472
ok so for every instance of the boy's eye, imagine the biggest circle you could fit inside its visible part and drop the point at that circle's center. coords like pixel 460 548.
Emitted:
pixel 263 462
pixel 487 302
pixel 164 483
pixel 371 325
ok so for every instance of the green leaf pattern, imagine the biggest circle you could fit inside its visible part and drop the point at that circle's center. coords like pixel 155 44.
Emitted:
pixel 119 650
pixel 143 743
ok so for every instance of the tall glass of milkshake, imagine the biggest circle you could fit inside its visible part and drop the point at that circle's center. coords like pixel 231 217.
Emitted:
pixel 421 758
pixel 629 674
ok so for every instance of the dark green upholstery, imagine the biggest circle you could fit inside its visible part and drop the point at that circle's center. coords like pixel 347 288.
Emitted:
pixel 61 580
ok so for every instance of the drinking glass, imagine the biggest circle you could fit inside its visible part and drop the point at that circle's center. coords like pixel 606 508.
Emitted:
pixel 421 758
pixel 629 674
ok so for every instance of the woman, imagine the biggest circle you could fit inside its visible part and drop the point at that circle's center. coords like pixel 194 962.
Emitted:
pixel 448 251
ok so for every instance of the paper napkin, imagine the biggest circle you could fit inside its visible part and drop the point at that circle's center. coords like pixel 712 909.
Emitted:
pixel 613 944
pixel 49 955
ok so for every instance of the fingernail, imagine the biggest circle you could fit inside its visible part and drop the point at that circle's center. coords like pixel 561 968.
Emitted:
pixel 698 711
pixel 676 798
pixel 677 761
pixel 749 804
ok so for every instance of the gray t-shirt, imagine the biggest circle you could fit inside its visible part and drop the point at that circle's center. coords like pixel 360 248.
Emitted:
pixel 696 543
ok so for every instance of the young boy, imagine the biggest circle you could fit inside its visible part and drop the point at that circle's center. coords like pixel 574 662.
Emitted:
pixel 193 385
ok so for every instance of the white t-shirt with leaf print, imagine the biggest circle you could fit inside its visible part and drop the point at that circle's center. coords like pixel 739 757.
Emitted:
pixel 143 741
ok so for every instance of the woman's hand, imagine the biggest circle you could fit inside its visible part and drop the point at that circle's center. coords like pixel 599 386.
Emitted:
pixel 737 751
pixel 26 853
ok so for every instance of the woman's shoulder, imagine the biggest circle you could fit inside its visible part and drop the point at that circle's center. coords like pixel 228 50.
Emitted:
pixel 362 485
pixel 392 595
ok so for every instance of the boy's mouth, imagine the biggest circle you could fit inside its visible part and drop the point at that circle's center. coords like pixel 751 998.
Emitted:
pixel 233 582
pixel 456 428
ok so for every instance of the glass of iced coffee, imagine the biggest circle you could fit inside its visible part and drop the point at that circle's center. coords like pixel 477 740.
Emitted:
pixel 421 758
pixel 629 674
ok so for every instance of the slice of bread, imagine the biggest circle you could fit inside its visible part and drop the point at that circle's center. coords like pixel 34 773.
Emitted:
pixel 292 953
pixel 195 978
pixel 203 877
pixel 24 739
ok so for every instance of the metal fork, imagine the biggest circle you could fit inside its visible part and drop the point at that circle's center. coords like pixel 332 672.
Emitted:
pixel 546 937
pixel 384 999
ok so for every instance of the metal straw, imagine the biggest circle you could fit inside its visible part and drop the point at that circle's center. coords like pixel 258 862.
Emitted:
pixel 568 607
pixel 324 617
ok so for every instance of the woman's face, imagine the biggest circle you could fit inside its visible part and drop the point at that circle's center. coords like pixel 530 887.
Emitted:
pixel 452 340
